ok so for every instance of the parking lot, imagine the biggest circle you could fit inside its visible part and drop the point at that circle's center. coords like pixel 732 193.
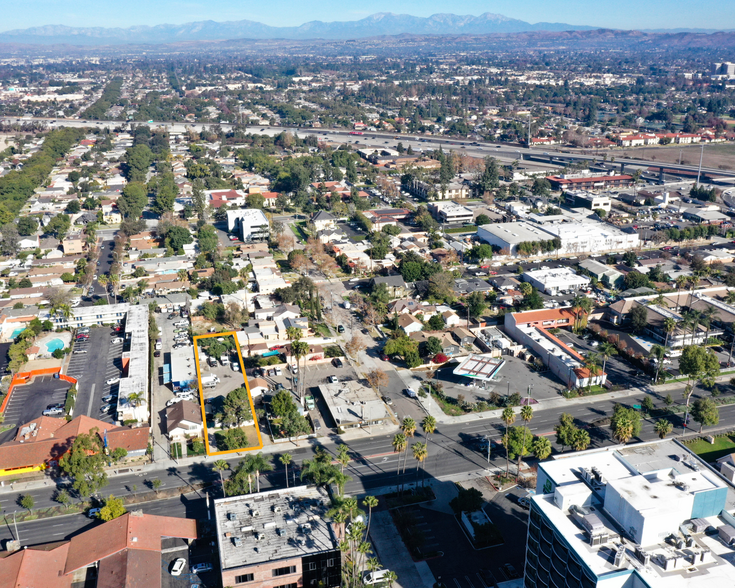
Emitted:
pixel 174 549
pixel 29 401
pixel 93 362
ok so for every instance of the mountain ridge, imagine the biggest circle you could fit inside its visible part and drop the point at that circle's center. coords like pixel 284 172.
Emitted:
pixel 378 24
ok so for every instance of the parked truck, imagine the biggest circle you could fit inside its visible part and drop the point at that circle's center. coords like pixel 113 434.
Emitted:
pixel 209 381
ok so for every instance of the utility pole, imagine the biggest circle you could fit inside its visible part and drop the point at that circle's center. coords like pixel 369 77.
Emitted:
pixel 701 156
pixel 529 129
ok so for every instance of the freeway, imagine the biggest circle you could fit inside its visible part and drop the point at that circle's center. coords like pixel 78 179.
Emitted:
pixel 452 452
pixel 375 139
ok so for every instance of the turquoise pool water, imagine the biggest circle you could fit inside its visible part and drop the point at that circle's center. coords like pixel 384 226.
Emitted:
pixel 54 344
pixel 17 332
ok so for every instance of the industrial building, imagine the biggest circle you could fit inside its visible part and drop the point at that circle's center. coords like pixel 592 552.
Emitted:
pixel 649 515
pixel 278 538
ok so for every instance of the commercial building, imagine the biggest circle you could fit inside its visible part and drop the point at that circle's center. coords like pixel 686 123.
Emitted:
pixel 250 224
pixel 279 538
pixel 649 515
pixel 554 281
pixel 606 274
pixel 507 236
pixel 481 367
pixel 588 181
pixel 584 199
pixel 132 399
pixel 531 329
pixel 87 316
pixel 451 212
pixel 353 405
pixel 181 373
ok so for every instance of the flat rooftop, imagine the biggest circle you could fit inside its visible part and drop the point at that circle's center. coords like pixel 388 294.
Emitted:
pixel 271 526
pixel 479 367
pixel 562 275
pixel 351 403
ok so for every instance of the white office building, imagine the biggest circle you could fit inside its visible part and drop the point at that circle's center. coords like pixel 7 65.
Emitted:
pixel 649 515
pixel 554 281
pixel 451 212
pixel 507 236
pixel 250 224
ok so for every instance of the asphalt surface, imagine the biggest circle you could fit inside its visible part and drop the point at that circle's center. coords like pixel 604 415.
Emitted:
pixel 29 401
pixel 102 361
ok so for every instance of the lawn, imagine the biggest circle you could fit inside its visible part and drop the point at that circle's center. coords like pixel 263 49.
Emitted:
pixel 299 232
pixel 469 229
pixel 322 329
pixel 723 445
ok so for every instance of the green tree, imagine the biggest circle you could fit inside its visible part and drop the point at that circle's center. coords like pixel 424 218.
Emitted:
pixel 27 502
pixel 706 412
pixel 625 423
pixel 220 466
pixel 541 448
pixel 580 440
pixel 177 237
pixel 27 226
pixel 508 417
pixel 113 509
pixel 663 428
pixel 482 219
pixel 282 404
pixel 156 485
pixel 84 463
pixel 638 318
pixel 59 226
pixel 476 303
pixel 286 459
pixel 254 201
pixel 133 200
pixel 490 177
pixel 207 238
pixel 236 408
pixel 565 430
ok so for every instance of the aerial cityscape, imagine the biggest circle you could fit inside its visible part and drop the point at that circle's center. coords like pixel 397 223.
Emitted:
pixel 305 296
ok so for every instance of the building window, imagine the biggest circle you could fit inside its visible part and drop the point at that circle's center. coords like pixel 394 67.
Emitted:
pixel 294 585
pixel 284 571
pixel 244 578
pixel 330 562
pixel 312 566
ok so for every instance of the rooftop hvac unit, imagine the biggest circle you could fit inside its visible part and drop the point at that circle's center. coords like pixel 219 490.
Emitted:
pixel 619 556
pixel 276 508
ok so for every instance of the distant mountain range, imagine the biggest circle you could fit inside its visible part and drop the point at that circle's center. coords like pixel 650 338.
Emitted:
pixel 383 23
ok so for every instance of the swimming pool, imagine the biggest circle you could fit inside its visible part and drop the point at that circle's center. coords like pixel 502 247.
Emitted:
pixel 17 332
pixel 54 344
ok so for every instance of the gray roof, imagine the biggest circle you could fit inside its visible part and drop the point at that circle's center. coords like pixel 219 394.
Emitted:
pixel 322 215
pixel 395 281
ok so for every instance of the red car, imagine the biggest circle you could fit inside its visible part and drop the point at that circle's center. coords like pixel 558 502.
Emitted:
pixel 384 357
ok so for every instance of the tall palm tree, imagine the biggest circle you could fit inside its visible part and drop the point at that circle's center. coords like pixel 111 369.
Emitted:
pixel 419 454
pixel 606 350
pixel 707 317
pixel 399 446
pixel 299 349
pixel 136 399
pixel 408 427
pixel 592 363
pixel 526 416
pixel 681 283
pixel 371 502
pixel 730 298
pixel 429 426
pixel 508 417
pixel 581 306
pixel 343 456
pixel 661 300
pixel 183 275
pixel 391 578
pixel 115 281
pixel 669 327
pixel 286 459
pixel 104 280
pixel 219 466
pixel 259 464
pixel 658 353
pixel 690 322
pixel 663 428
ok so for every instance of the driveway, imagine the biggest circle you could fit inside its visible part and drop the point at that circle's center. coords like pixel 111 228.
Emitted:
pixel 29 401
pixel 102 361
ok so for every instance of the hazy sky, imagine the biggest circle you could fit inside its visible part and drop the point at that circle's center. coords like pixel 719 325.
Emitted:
pixel 624 14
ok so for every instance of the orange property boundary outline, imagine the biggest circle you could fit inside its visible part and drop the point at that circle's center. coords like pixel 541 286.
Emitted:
pixel 247 387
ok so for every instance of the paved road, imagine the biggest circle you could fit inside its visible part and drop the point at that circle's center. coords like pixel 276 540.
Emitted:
pixel 451 452
pixel 59 528
pixel 380 139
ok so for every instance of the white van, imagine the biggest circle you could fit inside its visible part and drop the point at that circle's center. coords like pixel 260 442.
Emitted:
pixel 224 360
pixel 374 577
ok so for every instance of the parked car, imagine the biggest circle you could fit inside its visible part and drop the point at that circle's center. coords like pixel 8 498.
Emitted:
pixel 235 367
pixel 341 329
pixel 294 368
pixel 112 381
pixel 93 513
pixel 278 371
pixel 386 400
pixel 410 392
pixel 333 379
pixel 201 567
pixel 384 357
pixel 53 411
pixel 109 398
pixel 337 362
pixel 117 340
pixel 105 408
pixel 76 351
pixel 178 566
pixel 174 401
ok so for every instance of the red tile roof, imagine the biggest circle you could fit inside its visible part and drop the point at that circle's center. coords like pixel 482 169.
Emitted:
pixel 533 316
pixel 35 567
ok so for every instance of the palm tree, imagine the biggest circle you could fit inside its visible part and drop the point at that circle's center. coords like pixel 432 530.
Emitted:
pixel 663 428
pixel 419 454
pixel 580 440
pixel 706 318
pixel 541 448
pixel 623 430
pixel 340 479
pixel 429 426
pixel 219 466
pixel 343 456
pixel 658 353
pixel 606 350
pixel 371 502
pixel 592 363
pixel 581 306
pixel 104 280
pixel 115 281
pixel 669 327
pixel 690 322
pixel 681 283
pixel 136 399
pixel 399 446
pixel 259 464
pixel 299 349
pixel 408 427
pixel 286 459
pixel 526 416
pixel 508 417
pixel 730 298
pixel 660 300
pixel 390 577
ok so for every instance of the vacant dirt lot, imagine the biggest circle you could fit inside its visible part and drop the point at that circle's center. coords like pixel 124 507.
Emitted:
pixel 721 155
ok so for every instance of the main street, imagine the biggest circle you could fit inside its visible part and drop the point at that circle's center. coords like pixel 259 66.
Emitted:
pixel 452 452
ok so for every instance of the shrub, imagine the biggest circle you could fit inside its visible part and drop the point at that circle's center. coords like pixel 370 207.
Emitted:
pixel 440 358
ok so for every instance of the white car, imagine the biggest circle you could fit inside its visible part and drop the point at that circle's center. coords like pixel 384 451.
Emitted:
pixel 117 340
pixel 235 367
pixel 178 566
pixel 174 401
pixel 80 351
pixel 294 368
pixel 112 381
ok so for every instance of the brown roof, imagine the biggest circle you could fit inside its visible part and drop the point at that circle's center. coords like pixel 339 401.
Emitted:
pixel 131 531
pixel 130 568
pixel 36 568
pixel 186 410
pixel 257 383
pixel 406 319
pixel 129 439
